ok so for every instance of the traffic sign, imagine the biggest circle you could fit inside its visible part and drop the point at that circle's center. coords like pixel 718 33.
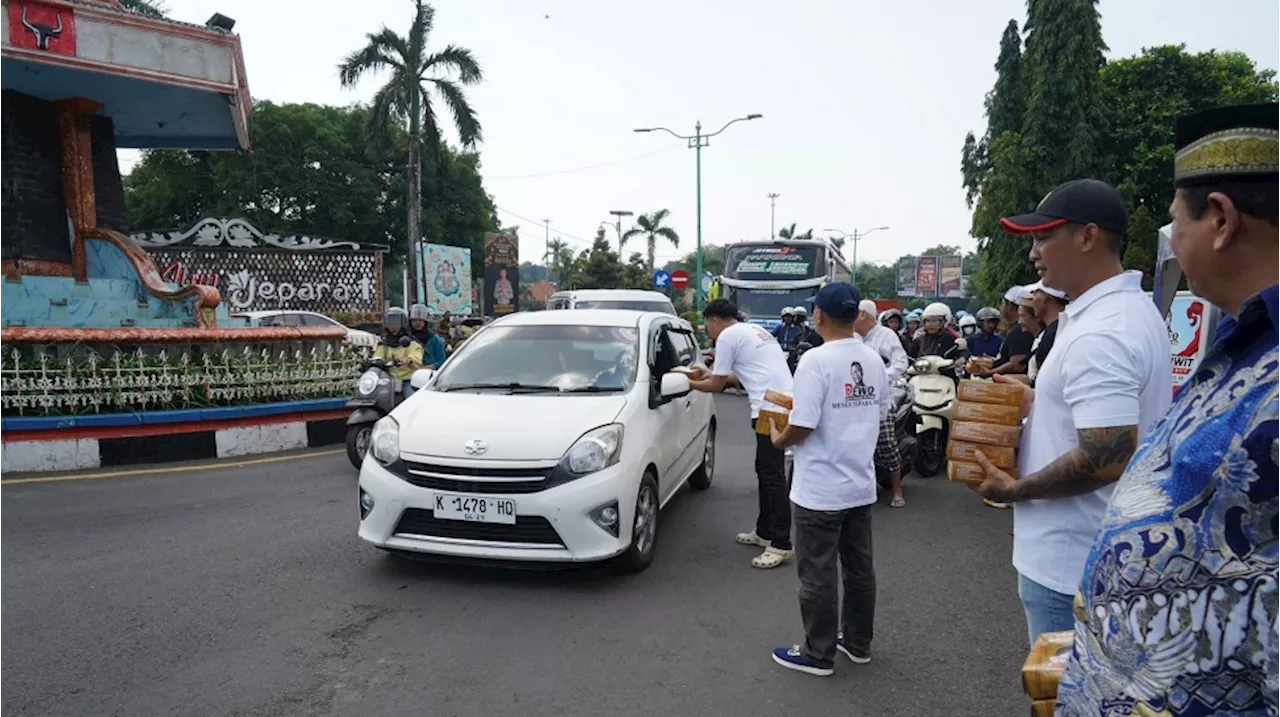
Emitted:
pixel 679 279
pixel 706 282
pixel 661 279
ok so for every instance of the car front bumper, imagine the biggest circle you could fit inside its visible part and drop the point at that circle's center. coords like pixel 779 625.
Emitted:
pixel 401 519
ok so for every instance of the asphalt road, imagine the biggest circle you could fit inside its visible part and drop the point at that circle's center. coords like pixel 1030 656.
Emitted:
pixel 244 591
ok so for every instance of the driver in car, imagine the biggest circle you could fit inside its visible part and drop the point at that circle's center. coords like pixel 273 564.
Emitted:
pixel 398 346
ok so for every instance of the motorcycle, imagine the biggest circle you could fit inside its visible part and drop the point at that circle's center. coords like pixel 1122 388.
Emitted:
pixel 904 429
pixel 933 396
pixel 377 393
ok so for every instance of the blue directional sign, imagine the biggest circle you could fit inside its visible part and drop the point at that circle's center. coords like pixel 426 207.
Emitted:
pixel 661 279
pixel 706 283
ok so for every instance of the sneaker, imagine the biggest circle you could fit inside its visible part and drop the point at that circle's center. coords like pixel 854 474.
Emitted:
pixel 993 504
pixel 771 558
pixel 857 659
pixel 752 539
pixel 790 658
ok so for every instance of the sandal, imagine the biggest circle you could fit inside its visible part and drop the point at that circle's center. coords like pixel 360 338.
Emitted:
pixel 771 558
pixel 751 538
pixel 898 502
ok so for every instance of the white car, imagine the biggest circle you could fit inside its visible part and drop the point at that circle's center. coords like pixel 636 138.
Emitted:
pixel 633 299
pixel 550 436
pixel 355 337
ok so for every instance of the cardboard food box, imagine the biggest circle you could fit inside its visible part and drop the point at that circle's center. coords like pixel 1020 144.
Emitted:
pixel 1000 456
pixel 970 473
pixel 771 416
pixel 1044 666
pixel 1043 708
pixel 987 433
pixel 983 362
pixel 975 391
pixel 986 413
pixel 784 399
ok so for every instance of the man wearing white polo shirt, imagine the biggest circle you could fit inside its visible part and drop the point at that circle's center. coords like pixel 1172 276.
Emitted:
pixel 1106 383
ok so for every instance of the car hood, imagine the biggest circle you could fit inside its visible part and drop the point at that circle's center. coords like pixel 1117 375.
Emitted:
pixel 520 427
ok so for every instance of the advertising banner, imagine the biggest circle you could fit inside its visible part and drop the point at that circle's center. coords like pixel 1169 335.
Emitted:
pixel 951 277
pixel 927 276
pixel 1186 320
pixel 907 276
pixel 501 273
pixel 448 272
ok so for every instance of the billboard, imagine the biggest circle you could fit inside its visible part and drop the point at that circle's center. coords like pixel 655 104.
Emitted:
pixel 448 274
pixel 927 276
pixel 501 273
pixel 907 276
pixel 951 277
pixel 1186 319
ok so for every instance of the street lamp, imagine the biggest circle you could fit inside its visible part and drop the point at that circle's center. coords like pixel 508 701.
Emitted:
pixel 620 213
pixel 696 142
pixel 856 235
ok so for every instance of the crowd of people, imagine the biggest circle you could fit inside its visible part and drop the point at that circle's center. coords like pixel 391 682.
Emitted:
pixel 1144 522
pixel 409 341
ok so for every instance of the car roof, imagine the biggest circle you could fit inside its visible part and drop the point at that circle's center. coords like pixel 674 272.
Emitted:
pixel 633 294
pixel 584 317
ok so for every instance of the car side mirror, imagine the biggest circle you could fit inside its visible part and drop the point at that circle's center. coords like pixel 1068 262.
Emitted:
pixel 421 377
pixel 674 384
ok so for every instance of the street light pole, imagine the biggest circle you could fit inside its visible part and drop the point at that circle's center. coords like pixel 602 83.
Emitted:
pixel 696 142
pixel 773 233
pixel 856 236
pixel 620 213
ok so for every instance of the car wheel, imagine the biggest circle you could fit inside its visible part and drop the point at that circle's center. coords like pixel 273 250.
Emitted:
pixel 358 443
pixel 644 529
pixel 701 478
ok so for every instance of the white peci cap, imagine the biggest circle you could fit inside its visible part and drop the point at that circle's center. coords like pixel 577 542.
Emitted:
pixel 867 306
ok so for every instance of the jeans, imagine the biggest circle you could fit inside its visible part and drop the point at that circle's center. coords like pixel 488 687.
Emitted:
pixel 774 521
pixel 1047 610
pixel 408 389
pixel 822 537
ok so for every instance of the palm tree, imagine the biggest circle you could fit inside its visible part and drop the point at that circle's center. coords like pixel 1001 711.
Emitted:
pixel 790 233
pixel 555 248
pixel 650 227
pixel 407 96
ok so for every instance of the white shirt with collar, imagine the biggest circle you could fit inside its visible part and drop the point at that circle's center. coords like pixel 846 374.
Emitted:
pixel 885 342
pixel 1110 366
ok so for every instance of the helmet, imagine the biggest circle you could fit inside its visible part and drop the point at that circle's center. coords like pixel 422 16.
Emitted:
pixel 889 314
pixel 788 311
pixel 395 319
pixel 913 315
pixel 987 313
pixel 961 313
pixel 937 310
pixel 968 325
pixel 418 312
pixel 801 312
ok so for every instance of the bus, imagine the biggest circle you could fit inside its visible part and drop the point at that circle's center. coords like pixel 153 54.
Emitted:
pixel 764 277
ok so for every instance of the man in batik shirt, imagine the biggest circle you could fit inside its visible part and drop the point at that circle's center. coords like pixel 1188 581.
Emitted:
pixel 1177 612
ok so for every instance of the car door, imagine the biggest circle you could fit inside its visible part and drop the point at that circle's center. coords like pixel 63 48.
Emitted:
pixel 691 422
pixel 665 415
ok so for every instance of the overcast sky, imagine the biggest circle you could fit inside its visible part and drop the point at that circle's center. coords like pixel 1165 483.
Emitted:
pixel 865 104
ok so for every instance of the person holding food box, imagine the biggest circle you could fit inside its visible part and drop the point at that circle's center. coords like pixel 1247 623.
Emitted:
pixel 1106 383
pixel 1178 608
pixel 841 393
pixel 748 355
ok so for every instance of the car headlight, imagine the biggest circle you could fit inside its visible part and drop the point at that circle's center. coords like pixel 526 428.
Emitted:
pixel 368 382
pixel 385 443
pixel 921 365
pixel 596 450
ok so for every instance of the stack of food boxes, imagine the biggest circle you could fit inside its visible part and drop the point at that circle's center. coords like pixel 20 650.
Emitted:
pixel 1043 668
pixel 776 411
pixel 985 418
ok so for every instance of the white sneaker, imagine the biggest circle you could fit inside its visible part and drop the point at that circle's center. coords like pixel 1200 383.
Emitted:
pixel 752 539
pixel 771 558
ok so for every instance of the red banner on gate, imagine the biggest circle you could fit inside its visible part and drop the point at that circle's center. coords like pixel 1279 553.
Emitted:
pixel 36 26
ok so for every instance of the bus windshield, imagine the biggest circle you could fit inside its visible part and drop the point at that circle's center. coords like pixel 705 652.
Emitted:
pixel 773 262
pixel 768 303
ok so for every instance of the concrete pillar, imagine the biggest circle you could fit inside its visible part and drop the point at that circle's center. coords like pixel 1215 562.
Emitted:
pixel 75 135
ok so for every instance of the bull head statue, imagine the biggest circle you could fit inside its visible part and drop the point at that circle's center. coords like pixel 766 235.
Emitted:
pixel 43 32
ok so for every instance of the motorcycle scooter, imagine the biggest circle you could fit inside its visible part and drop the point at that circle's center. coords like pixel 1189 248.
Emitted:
pixel 377 393
pixel 934 395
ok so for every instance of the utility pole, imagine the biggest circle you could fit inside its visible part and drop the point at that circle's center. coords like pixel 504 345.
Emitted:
pixel 620 213
pixel 546 247
pixel 855 236
pixel 773 198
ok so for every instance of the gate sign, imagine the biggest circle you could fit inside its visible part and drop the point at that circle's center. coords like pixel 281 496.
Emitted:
pixel 258 271
pixel 679 279
pixel 661 279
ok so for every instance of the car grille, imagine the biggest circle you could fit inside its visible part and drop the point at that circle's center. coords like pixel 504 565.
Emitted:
pixel 527 529
pixel 504 481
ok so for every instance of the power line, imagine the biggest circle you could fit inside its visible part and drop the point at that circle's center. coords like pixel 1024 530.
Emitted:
pixel 588 167
pixel 539 223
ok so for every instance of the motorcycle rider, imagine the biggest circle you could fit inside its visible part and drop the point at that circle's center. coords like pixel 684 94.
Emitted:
pixel 892 320
pixel 420 329
pixel 913 325
pixel 986 342
pixel 936 340
pixel 395 326
pixel 788 333
pixel 968 327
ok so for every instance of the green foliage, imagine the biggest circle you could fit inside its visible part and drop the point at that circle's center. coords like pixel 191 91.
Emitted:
pixel 650 226
pixel 875 281
pixel 790 232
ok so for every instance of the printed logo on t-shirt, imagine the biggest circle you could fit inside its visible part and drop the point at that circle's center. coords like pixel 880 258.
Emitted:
pixel 858 392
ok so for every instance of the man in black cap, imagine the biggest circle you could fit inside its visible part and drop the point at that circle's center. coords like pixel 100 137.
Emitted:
pixel 1106 383
pixel 1177 612
pixel 841 393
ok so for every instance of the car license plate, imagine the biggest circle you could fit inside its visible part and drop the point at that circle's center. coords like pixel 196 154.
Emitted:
pixel 475 508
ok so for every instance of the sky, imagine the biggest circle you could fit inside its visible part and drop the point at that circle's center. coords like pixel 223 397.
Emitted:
pixel 865 104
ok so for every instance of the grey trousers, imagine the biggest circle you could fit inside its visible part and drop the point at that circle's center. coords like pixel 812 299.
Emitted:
pixel 822 538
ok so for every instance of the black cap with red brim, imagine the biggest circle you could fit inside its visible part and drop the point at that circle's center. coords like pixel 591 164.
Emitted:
pixel 1081 201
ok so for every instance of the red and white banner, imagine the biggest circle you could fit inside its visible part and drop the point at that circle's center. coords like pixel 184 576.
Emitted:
pixel 36 26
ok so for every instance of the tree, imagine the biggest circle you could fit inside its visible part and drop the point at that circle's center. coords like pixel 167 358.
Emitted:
pixel 650 227
pixel 599 267
pixel 144 8
pixel 790 233
pixel 407 96
pixel 875 281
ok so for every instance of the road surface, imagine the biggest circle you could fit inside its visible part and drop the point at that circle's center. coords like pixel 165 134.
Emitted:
pixel 244 591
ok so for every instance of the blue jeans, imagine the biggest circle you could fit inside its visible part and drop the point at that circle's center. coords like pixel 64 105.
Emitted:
pixel 1047 610
pixel 408 389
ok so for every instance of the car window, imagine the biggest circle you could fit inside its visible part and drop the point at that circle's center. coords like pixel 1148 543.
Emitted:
pixel 313 320
pixel 273 320
pixel 668 353
pixel 686 351
pixel 662 307
pixel 289 320
pixel 567 357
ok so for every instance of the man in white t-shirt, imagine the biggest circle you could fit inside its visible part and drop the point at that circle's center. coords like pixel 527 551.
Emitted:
pixel 841 393
pixel 1105 384
pixel 750 356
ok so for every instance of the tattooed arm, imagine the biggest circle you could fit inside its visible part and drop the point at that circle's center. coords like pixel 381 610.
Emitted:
pixel 1100 459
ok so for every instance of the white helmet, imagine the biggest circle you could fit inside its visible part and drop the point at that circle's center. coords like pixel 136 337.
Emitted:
pixel 968 325
pixel 937 310
pixel 418 312
pixel 788 311
pixel 801 312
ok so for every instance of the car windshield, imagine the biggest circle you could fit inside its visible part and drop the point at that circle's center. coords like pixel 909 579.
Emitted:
pixel 628 305
pixel 580 359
